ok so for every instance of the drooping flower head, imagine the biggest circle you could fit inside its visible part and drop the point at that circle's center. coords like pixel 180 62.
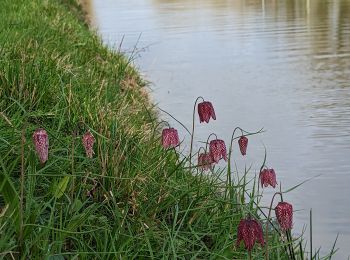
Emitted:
pixel 41 142
pixel 217 150
pixel 249 230
pixel 268 177
pixel 170 138
pixel 284 215
pixel 205 161
pixel 243 143
pixel 206 111
pixel 88 142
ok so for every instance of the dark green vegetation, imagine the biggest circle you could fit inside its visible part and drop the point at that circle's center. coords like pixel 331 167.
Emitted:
pixel 55 74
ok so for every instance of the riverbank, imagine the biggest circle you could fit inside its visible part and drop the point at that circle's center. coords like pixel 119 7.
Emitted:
pixel 132 199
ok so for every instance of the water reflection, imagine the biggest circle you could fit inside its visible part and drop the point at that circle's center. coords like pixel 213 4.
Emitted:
pixel 283 65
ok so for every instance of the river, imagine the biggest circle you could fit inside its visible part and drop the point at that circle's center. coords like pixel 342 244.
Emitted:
pixel 281 65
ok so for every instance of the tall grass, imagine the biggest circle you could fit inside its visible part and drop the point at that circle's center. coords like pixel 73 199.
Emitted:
pixel 133 199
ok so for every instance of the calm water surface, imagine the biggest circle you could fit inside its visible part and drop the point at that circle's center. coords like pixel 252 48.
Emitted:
pixel 281 65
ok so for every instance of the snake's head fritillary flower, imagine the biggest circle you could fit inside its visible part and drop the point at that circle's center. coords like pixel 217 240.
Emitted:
pixel 41 143
pixel 88 142
pixel 268 177
pixel 205 161
pixel 284 215
pixel 250 231
pixel 243 143
pixel 217 150
pixel 206 111
pixel 170 138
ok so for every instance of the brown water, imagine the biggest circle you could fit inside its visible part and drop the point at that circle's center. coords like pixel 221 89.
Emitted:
pixel 281 65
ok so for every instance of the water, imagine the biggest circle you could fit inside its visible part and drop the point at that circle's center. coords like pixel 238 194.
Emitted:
pixel 281 65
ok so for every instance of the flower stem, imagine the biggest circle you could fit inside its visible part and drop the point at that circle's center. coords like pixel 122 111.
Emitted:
pixel 157 125
pixel 229 179
pixel 261 168
pixel 20 238
pixel 72 164
pixel 310 233
pixel 192 133
pixel 267 225
pixel 290 240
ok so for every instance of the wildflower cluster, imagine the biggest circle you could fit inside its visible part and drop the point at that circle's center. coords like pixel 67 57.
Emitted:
pixel 249 229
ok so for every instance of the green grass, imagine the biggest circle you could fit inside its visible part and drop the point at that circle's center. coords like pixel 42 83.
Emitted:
pixel 56 74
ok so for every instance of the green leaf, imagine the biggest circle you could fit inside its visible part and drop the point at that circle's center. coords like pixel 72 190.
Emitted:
pixel 61 187
pixel 11 197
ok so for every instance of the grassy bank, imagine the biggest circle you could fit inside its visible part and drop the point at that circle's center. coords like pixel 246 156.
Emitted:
pixel 133 199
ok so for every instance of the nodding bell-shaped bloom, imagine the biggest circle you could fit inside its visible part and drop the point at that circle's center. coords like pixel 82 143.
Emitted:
pixel 88 142
pixel 205 161
pixel 41 142
pixel 250 231
pixel 243 143
pixel 284 215
pixel 217 150
pixel 206 111
pixel 268 177
pixel 170 138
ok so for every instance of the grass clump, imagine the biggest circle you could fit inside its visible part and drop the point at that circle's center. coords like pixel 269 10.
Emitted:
pixel 132 199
